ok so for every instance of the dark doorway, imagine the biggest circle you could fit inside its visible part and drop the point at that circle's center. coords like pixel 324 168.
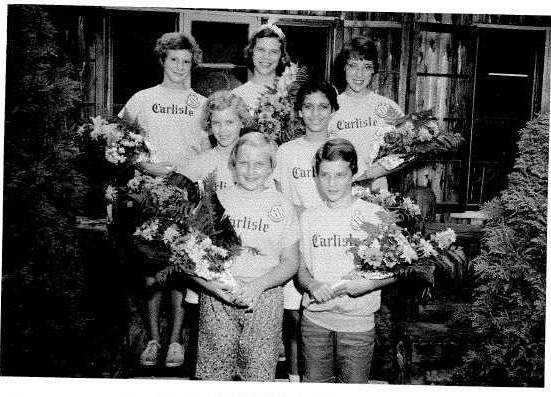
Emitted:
pixel 309 46
pixel 508 68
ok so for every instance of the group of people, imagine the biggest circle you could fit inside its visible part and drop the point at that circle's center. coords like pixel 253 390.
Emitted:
pixel 293 204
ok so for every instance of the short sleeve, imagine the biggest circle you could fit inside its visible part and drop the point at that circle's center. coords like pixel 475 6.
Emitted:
pixel 131 110
pixel 277 174
pixel 304 239
pixel 291 230
pixel 194 168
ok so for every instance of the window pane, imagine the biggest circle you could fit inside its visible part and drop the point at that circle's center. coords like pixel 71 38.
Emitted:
pixel 221 42
pixel 135 65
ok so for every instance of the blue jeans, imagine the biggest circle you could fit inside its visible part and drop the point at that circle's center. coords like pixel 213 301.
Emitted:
pixel 337 357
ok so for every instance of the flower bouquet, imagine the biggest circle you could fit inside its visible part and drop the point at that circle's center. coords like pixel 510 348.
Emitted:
pixel 275 115
pixel 123 142
pixel 389 251
pixel 414 136
pixel 188 232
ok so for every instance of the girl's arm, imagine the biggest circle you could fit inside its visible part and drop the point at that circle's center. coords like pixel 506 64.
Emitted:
pixel 156 169
pixel 216 289
pixel 250 292
pixel 361 286
pixel 321 292
pixel 374 171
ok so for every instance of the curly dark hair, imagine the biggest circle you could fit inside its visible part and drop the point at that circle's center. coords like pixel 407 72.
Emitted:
pixel 311 86
pixel 178 41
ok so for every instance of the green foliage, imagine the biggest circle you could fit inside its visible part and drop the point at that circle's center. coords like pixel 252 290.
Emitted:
pixel 508 312
pixel 43 191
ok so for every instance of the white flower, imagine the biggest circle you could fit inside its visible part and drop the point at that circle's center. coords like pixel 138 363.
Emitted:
pixel 111 193
pixel 359 191
pixel 113 156
pixel 427 248
pixel 424 134
pixel 444 239
pixel 411 207
pixel 148 230
pixel 171 234
pixel 408 253
pixel 361 251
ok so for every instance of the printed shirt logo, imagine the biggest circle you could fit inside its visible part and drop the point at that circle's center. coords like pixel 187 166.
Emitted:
pixel 381 110
pixel 276 213
pixel 387 112
pixel 193 100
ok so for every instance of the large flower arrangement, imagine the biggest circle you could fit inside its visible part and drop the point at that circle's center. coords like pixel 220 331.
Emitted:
pixel 275 115
pixel 122 142
pixel 388 250
pixel 190 233
pixel 415 136
pixel 406 211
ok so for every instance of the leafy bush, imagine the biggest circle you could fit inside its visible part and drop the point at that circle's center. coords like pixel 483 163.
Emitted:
pixel 43 192
pixel 508 312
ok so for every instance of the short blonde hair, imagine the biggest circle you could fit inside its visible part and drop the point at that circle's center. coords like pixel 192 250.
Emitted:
pixel 222 100
pixel 257 140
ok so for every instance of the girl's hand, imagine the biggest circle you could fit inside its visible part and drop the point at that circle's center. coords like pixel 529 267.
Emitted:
pixel 221 291
pixel 157 169
pixel 354 288
pixel 248 295
pixel 321 292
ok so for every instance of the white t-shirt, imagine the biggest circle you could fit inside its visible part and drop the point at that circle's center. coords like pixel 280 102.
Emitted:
pixel 211 161
pixel 326 235
pixel 363 121
pixel 265 221
pixel 171 120
pixel 296 173
pixel 250 93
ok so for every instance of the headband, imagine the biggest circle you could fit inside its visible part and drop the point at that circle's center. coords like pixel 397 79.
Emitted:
pixel 274 28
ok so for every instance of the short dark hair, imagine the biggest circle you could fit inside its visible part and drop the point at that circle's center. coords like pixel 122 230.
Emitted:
pixel 311 86
pixel 267 32
pixel 337 149
pixel 358 48
pixel 178 41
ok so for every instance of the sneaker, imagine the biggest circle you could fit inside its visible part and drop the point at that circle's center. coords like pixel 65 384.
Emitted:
pixel 175 355
pixel 294 378
pixel 150 354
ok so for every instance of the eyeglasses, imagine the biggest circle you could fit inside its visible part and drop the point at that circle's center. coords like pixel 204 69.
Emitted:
pixel 358 68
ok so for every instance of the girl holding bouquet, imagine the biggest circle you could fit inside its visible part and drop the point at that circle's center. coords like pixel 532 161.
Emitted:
pixel 296 177
pixel 266 56
pixel 364 115
pixel 175 136
pixel 338 320
pixel 240 327
pixel 169 112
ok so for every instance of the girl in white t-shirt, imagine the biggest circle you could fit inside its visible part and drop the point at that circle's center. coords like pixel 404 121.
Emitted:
pixel 224 115
pixel 169 114
pixel 337 324
pixel 266 56
pixel 296 177
pixel 364 115
pixel 240 330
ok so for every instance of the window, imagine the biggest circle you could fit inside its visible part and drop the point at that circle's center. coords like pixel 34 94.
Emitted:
pixel 222 37
pixel 134 63
pixel 508 66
